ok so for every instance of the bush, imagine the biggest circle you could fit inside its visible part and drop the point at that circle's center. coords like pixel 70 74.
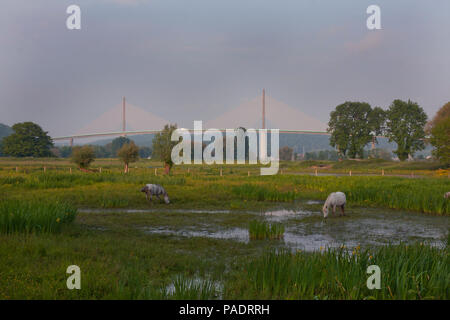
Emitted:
pixel 83 156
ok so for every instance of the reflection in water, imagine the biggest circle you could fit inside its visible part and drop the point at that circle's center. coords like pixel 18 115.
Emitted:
pixel 306 230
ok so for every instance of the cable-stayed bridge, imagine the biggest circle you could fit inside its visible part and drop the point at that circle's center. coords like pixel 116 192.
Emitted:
pixel 259 113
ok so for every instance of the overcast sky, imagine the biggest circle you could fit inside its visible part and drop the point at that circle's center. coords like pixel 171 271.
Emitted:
pixel 186 60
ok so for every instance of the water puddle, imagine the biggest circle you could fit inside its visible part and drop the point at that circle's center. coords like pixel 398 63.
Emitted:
pixel 305 229
pixel 283 214
pixel 365 227
pixel 237 234
pixel 159 210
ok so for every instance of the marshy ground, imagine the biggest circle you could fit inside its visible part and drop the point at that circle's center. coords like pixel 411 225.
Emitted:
pixel 199 245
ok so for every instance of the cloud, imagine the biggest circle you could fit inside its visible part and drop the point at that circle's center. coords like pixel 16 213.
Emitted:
pixel 369 41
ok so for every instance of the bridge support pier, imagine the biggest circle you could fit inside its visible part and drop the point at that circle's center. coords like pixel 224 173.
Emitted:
pixel 71 142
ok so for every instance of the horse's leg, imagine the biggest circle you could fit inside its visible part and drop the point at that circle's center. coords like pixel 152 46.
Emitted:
pixel 342 209
pixel 334 210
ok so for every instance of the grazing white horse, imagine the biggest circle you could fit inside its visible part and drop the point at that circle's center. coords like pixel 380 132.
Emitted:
pixel 333 200
pixel 447 195
pixel 155 190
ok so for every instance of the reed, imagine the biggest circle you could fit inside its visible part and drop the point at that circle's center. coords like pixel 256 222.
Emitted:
pixel 34 216
pixel 407 272
pixel 262 193
pixel 261 230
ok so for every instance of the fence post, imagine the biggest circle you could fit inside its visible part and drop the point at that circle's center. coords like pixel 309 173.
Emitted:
pixel 45 168
pixel 17 169
pixel 316 172
pixel 70 170
pixel 350 173
pixel 156 173
pixel 220 171
pixel 248 173
pixel 100 169
pixel 382 172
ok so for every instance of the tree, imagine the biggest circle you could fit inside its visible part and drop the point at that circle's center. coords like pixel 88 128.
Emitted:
pixel 128 153
pixel 145 152
pixel 162 146
pixel 117 143
pixel 405 126
pixel 83 156
pixel 286 153
pixel 439 129
pixel 353 125
pixel 442 114
pixel 65 151
pixel 28 140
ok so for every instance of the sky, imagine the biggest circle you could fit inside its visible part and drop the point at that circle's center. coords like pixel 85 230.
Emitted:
pixel 186 60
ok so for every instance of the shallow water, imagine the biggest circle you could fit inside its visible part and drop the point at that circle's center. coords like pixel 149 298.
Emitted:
pixel 124 210
pixel 308 231
pixel 305 227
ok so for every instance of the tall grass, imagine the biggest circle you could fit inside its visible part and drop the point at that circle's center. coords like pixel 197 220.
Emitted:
pixel 420 194
pixel 34 217
pixel 407 272
pixel 181 288
pixel 262 193
pixel 112 188
pixel 41 180
pixel 192 289
pixel 261 230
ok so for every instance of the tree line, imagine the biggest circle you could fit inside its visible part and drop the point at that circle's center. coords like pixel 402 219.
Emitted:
pixel 353 125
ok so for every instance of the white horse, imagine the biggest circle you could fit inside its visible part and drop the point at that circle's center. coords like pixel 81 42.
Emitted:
pixel 333 200
pixel 447 195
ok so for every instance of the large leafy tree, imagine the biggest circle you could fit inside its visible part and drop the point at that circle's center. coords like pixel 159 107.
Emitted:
pixel 439 130
pixel 162 146
pixel 353 125
pixel 128 153
pixel 405 126
pixel 118 143
pixel 27 140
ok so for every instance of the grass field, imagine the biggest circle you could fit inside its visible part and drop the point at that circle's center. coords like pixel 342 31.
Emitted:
pixel 41 233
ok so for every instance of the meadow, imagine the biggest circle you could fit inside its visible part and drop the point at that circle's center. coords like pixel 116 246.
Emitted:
pixel 58 216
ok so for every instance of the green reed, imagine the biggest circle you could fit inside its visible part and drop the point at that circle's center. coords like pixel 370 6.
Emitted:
pixel 407 272
pixel 34 216
pixel 261 230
